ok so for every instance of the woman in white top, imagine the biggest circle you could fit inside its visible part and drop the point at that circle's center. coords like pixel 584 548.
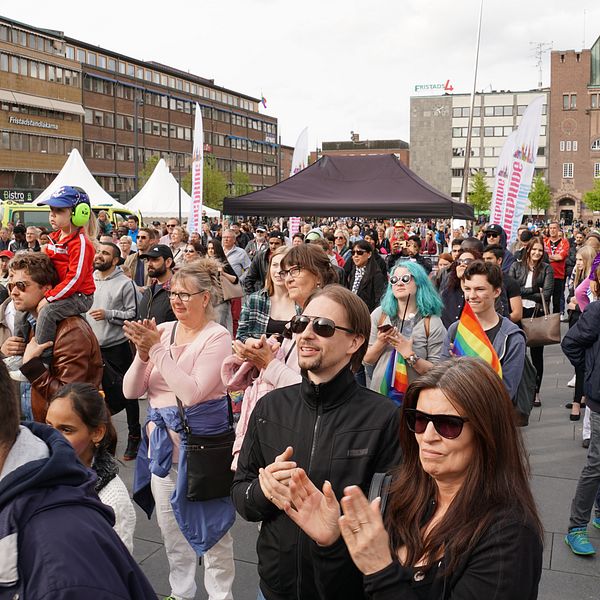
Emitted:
pixel 79 412
pixel 179 238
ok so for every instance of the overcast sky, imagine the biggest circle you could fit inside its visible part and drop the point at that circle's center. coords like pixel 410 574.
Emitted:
pixel 331 65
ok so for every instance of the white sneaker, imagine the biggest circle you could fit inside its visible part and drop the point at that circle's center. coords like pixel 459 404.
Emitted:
pixel 572 381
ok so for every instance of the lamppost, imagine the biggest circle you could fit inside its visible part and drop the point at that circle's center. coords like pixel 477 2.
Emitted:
pixel 138 101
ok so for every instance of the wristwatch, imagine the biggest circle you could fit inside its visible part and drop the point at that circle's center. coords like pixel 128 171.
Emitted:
pixel 411 360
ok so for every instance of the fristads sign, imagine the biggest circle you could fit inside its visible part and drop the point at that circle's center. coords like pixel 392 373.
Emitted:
pixel 31 123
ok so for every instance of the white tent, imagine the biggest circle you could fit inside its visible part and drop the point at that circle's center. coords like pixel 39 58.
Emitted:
pixel 160 196
pixel 75 173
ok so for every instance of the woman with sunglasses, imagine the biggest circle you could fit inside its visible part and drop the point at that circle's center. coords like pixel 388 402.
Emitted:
pixel 222 306
pixel 193 251
pixel 460 520
pixel 533 274
pixel 405 328
pixel 451 291
pixel 365 278
pixel 181 360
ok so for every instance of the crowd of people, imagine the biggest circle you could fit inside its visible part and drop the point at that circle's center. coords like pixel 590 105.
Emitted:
pixel 378 461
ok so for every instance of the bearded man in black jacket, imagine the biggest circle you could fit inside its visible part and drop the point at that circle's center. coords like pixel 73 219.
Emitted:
pixel 333 428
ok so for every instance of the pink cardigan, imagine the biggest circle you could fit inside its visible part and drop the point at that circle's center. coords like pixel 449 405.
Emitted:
pixel 193 374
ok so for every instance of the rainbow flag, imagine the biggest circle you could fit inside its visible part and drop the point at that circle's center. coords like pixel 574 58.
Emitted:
pixel 471 340
pixel 395 381
pixel 263 101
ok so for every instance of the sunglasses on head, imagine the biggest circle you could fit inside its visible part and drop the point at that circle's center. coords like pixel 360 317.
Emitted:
pixel 322 326
pixel 448 426
pixel 405 279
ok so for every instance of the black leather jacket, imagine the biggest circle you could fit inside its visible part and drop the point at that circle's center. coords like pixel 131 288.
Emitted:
pixel 340 432
pixel 544 280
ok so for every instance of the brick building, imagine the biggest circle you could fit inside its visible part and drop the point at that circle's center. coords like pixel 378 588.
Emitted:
pixel 358 147
pixel 59 93
pixel 574 129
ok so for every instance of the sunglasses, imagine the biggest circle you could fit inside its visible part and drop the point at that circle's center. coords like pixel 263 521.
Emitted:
pixel 405 279
pixel 189 252
pixel 322 326
pixel 358 252
pixel 340 237
pixel 448 426
pixel 20 285
pixel 465 261
pixel 492 235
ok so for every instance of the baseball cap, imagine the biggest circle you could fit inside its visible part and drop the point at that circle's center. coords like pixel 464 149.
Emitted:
pixel 314 234
pixel 278 235
pixel 156 223
pixel 261 228
pixel 66 197
pixel 495 229
pixel 6 253
pixel 158 251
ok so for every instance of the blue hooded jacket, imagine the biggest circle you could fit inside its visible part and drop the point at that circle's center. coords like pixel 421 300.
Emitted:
pixel 56 537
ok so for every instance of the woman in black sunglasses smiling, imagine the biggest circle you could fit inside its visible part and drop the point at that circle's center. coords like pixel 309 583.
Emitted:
pixel 460 520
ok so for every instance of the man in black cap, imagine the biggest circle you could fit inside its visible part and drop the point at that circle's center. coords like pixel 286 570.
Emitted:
pixel 495 234
pixel 255 277
pixel 155 300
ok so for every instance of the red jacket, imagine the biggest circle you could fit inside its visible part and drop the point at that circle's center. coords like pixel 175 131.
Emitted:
pixel 562 248
pixel 73 258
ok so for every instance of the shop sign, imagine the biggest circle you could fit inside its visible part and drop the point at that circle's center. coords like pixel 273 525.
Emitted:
pixel 17 195
pixel 32 123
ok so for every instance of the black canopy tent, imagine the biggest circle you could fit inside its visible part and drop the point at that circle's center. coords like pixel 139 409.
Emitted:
pixel 370 186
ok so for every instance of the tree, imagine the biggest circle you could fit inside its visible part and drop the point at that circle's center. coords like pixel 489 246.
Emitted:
pixel 215 184
pixel 240 183
pixel 480 196
pixel 592 198
pixel 148 169
pixel 539 196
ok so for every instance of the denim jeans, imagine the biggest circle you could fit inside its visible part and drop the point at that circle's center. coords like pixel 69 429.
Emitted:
pixel 589 480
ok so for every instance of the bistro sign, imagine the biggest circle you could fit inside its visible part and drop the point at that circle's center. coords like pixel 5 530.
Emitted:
pixel 32 123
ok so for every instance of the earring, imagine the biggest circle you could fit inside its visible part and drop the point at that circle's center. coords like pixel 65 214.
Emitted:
pixel 96 444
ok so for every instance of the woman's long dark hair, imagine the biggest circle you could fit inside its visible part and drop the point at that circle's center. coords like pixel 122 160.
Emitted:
pixel 218 248
pixel 527 256
pixel 496 480
pixel 92 410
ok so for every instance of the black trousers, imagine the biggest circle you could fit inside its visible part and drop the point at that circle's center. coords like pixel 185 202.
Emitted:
pixel 558 292
pixel 117 359
pixel 537 355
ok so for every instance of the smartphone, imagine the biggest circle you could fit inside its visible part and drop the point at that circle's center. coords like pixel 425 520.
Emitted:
pixel 384 328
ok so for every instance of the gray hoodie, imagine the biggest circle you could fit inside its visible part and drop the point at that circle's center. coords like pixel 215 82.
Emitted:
pixel 118 296
pixel 510 347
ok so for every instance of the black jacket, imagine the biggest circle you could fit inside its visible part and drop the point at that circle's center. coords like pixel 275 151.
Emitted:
pixel 257 272
pixel 544 280
pixel 371 286
pixel 341 432
pixel 581 346
pixel 155 303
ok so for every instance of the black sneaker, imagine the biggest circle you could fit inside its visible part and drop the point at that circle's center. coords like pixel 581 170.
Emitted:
pixel 133 443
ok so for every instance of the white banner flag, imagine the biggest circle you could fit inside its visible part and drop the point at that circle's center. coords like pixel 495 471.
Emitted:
pixel 515 171
pixel 195 216
pixel 299 162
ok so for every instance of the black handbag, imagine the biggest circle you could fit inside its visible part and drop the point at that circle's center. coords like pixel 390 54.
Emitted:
pixel 209 474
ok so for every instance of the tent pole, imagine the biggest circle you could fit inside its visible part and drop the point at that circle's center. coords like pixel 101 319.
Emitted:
pixel 465 180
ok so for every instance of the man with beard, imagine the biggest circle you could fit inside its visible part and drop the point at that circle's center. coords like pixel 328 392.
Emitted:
pixel 337 431
pixel 136 267
pixel 115 301
pixel 155 303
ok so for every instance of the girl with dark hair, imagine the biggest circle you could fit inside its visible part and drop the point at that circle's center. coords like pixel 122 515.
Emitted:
pixel 80 413
pixel 460 519
pixel 451 292
pixel 533 274
pixel 365 278
pixel 222 307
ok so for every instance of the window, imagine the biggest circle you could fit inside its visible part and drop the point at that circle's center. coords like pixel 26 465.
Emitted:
pixel 569 101
pixel 566 102
pixel 596 170
pixel 3 62
pixel 567 170
pixel 596 144
pixel 80 55
pixel 112 64
pixel 594 101
pixel 568 146
pixel 91 58
pixel 458 172
pixel 89 116
pixel 33 69
pixel 574 145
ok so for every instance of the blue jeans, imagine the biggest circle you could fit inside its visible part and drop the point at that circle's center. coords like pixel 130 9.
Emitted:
pixel 589 480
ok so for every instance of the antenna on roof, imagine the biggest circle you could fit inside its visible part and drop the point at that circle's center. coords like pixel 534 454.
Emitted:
pixel 539 49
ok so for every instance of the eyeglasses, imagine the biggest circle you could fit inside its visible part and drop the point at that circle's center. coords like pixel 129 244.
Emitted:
pixel 405 279
pixel 448 426
pixel 322 326
pixel 183 296
pixel 292 272
pixel 20 285
pixel 465 261
pixel 358 252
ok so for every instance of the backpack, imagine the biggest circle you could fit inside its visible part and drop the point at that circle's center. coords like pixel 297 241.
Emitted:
pixel 523 400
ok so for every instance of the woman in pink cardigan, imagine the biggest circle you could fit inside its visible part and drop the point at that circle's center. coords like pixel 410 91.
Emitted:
pixel 182 359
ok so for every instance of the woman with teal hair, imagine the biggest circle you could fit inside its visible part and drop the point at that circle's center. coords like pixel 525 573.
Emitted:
pixel 407 333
